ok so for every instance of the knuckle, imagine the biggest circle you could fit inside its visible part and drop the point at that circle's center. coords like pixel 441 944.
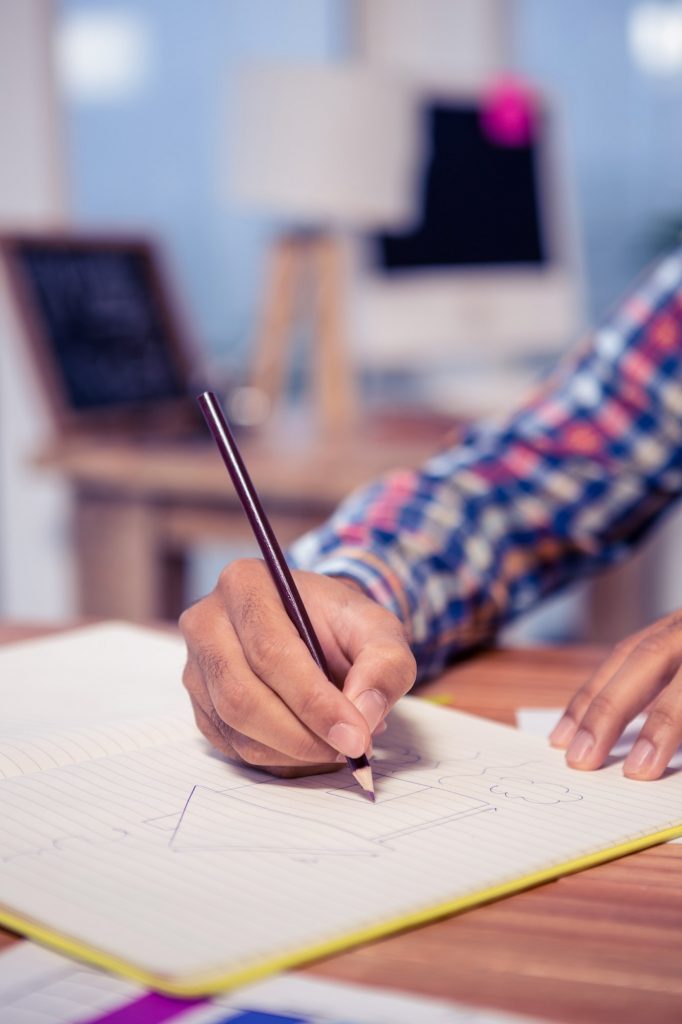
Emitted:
pixel 233 703
pixel 212 663
pixel 229 577
pixel 249 615
pixel 405 666
pixel 237 577
pixel 576 711
pixel 267 651
pixel 203 618
pixel 189 679
pixel 625 646
pixel 314 705
pixel 399 668
pixel 189 620
pixel 603 706
pixel 390 624
pixel 663 719
pixel 222 728
pixel 655 643
pixel 211 729
pixel 579 702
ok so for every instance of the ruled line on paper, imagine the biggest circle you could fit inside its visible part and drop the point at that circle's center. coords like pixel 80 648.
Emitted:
pixel 114 846
pixel 150 847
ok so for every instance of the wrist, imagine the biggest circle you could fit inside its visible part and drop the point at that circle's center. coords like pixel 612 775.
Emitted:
pixel 371 576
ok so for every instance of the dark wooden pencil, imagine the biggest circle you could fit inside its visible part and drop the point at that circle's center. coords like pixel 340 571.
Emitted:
pixel 272 553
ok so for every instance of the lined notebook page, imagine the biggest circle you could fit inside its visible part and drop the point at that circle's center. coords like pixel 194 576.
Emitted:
pixel 171 860
pixel 73 697
pixel 23 751
pixel 91 676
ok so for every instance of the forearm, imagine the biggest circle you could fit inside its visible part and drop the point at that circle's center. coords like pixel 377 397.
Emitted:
pixel 518 509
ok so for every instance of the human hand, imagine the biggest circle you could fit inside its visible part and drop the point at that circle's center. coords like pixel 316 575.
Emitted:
pixel 256 692
pixel 642 672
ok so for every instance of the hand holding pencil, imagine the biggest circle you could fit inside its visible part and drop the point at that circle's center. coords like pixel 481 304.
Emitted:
pixel 258 692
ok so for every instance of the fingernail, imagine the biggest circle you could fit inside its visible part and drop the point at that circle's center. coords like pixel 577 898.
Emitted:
pixel 341 758
pixel 563 732
pixel 580 747
pixel 640 757
pixel 372 706
pixel 380 729
pixel 346 739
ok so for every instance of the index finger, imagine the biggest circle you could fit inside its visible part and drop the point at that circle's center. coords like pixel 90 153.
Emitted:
pixel 285 665
pixel 646 670
pixel 563 732
pixel 281 660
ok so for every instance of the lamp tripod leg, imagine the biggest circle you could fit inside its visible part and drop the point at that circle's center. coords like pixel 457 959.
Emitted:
pixel 277 317
pixel 333 383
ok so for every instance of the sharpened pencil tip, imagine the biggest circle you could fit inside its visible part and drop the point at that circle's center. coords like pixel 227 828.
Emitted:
pixel 364 777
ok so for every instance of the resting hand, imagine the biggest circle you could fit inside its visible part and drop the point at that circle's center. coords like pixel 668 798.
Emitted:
pixel 644 670
pixel 256 692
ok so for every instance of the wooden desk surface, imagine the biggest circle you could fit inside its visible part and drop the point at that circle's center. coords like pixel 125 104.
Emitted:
pixel 148 505
pixel 599 947
pixel 293 464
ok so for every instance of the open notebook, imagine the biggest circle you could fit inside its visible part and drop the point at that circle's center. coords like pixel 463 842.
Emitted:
pixel 124 840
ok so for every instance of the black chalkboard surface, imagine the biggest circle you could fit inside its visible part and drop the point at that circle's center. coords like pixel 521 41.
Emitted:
pixel 102 328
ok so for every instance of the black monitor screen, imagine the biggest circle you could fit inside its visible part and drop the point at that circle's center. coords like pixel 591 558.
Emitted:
pixel 102 315
pixel 480 201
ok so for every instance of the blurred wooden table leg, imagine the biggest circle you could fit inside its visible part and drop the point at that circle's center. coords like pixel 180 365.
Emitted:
pixel 119 568
pixel 132 553
pixel 141 510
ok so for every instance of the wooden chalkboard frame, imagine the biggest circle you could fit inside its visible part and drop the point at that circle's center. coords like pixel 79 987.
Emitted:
pixel 164 417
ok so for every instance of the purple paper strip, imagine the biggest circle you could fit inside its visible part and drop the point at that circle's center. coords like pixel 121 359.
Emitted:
pixel 149 1009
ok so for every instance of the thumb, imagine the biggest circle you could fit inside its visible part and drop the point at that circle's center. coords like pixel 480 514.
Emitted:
pixel 383 671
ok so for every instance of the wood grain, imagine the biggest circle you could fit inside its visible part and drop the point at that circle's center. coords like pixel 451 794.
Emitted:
pixel 604 945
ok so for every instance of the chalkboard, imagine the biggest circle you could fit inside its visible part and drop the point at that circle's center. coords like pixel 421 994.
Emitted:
pixel 101 323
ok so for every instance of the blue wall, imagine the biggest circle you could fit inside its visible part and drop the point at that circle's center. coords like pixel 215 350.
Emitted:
pixel 156 161
pixel 624 131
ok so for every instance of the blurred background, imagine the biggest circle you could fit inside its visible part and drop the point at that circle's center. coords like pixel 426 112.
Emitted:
pixel 361 221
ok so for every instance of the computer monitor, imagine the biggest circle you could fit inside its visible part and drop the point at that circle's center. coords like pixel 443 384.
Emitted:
pixel 489 274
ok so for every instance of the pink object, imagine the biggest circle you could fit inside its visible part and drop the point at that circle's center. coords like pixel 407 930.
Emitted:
pixel 152 1008
pixel 508 113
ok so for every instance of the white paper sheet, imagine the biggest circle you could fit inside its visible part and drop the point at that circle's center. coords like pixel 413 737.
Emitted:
pixel 159 854
pixel 541 721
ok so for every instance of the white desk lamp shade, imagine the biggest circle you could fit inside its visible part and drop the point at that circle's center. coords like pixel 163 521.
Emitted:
pixel 327 145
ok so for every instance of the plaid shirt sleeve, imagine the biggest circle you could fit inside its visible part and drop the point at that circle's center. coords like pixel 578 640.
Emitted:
pixel 566 484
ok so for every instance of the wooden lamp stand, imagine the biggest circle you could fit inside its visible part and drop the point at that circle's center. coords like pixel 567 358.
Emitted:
pixel 305 283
